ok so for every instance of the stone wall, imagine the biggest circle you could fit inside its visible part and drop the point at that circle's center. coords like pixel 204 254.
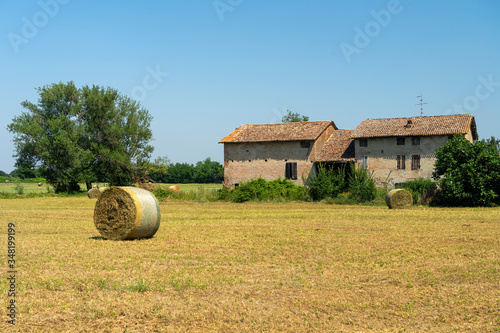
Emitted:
pixel 382 158
pixel 250 160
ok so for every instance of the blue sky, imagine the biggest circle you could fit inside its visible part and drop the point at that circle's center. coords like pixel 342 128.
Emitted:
pixel 204 67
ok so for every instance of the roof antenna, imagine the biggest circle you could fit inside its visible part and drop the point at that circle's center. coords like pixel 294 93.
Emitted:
pixel 421 104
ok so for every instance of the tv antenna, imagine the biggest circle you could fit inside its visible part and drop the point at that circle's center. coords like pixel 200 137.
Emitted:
pixel 421 104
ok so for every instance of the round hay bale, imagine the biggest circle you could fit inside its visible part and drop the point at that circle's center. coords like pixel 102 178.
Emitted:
pixel 174 188
pixel 94 193
pixel 127 213
pixel 39 184
pixel 95 186
pixel 7 181
pixel 399 199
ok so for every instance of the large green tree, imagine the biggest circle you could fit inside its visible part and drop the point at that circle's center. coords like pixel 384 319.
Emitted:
pixel 81 135
pixel 468 173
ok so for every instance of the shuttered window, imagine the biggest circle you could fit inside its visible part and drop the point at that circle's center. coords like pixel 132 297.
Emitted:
pixel 415 162
pixel 401 162
pixel 291 170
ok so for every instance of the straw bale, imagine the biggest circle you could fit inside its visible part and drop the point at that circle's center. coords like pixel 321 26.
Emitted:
pixel 94 193
pixel 7 181
pixel 174 188
pixel 39 184
pixel 127 213
pixel 399 199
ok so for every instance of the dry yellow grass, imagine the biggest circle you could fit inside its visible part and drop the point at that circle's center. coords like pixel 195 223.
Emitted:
pixel 227 267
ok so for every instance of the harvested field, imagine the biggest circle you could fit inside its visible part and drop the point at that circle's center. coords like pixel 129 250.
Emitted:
pixel 291 267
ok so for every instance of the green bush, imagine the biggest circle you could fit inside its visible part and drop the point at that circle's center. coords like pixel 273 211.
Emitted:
pixel 361 186
pixel 417 186
pixel 468 174
pixel 326 182
pixel 262 190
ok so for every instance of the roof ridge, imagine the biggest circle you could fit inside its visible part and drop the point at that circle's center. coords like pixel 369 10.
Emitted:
pixel 413 117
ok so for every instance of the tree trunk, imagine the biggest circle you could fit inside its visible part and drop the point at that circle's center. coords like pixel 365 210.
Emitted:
pixel 89 185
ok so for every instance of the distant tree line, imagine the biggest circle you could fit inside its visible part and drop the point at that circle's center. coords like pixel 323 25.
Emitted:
pixel 161 170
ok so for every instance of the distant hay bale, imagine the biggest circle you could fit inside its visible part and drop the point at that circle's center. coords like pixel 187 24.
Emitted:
pixel 94 193
pixel 7 181
pixel 174 188
pixel 95 186
pixel 127 213
pixel 399 199
pixel 39 184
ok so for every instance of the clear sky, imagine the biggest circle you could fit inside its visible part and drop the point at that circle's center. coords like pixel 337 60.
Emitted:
pixel 204 67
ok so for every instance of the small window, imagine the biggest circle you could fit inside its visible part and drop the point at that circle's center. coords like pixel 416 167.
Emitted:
pixel 415 162
pixel 305 144
pixel 265 160
pixel 363 142
pixel 415 141
pixel 291 170
pixel 401 162
pixel 398 185
pixel 363 162
pixel 450 137
pixel 401 141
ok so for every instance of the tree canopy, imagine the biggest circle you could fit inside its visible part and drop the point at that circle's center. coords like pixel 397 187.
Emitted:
pixel 81 135
pixel 291 117
pixel 469 174
pixel 206 171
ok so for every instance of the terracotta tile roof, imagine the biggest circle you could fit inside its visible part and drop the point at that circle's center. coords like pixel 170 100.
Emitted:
pixel 421 126
pixel 338 148
pixel 306 130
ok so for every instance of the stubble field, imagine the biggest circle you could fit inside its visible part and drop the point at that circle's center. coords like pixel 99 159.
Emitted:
pixel 225 267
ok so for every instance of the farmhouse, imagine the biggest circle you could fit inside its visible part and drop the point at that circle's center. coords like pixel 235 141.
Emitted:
pixel 394 150
pixel 286 150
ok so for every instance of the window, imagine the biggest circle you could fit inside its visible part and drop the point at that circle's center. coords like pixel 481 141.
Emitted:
pixel 415 162
pixel 415 140
pixel 401 162
pixel 305 144
pixel 363 142
pixel 401 141
pixel 291 170
pixel 363 162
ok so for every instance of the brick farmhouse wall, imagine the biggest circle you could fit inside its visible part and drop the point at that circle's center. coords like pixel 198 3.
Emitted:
pixel 382 157
pixel 250 160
